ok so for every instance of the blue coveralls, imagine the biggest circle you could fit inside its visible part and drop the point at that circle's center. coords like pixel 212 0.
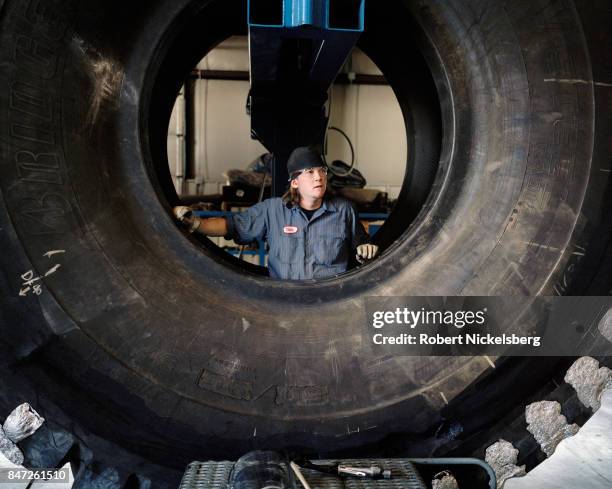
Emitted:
pixel 301 249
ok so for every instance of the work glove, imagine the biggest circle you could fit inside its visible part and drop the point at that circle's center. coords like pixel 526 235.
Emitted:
pixel 184 215
pixel 366 252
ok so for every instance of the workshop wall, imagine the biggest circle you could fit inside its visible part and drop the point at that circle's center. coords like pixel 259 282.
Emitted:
pixel 369 114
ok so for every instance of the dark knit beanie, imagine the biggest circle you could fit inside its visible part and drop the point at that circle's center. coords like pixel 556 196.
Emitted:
pixel 302 158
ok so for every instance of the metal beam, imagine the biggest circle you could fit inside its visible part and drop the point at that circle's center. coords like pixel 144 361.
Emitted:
pixel 235 75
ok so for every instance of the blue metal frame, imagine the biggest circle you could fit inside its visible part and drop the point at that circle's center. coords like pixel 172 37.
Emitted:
pixel 298 13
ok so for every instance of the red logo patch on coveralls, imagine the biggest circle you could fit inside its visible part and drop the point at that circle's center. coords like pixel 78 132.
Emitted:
pixel 290 230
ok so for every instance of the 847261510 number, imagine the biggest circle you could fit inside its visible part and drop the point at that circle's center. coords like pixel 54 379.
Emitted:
pixel 8 475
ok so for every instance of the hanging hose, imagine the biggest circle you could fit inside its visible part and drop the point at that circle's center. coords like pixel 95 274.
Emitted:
pixel 348 140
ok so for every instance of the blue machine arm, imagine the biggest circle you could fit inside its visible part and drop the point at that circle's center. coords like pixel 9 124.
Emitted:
pixel 296 49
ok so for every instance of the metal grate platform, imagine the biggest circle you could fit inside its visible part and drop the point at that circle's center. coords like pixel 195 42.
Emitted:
pixel 216 475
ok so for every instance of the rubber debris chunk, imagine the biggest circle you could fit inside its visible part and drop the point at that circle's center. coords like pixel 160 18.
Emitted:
pixel 10 450
pixel 548 426
pixel 589 380
pixel 502 457
pixel 22 422
pixel 444 480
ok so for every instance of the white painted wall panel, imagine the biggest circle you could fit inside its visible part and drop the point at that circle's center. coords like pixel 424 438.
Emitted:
pixel 231 54
pixel 223 129
pixel 381 135
pixel 175 147
pixel 362 64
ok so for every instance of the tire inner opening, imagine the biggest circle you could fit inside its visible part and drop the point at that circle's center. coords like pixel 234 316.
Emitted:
pixel 385 125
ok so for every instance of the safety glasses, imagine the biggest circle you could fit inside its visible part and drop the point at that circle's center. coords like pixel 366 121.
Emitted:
pixel 321 170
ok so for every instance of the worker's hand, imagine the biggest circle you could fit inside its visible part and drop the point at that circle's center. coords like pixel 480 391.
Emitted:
pixel 366 252
pixel 184 215
pixel 181 212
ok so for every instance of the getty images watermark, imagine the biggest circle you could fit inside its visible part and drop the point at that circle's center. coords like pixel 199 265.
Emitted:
pixel 412 319
pixel 523 326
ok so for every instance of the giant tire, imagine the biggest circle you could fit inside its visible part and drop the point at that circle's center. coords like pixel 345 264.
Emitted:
pixel 147 341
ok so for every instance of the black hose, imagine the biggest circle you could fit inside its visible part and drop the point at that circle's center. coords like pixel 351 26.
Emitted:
pixel 348 140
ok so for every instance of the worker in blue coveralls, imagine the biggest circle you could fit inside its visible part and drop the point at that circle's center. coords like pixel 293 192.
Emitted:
pixel 310 233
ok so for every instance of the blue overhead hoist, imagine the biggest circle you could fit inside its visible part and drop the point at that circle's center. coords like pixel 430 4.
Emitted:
pixel 296 49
